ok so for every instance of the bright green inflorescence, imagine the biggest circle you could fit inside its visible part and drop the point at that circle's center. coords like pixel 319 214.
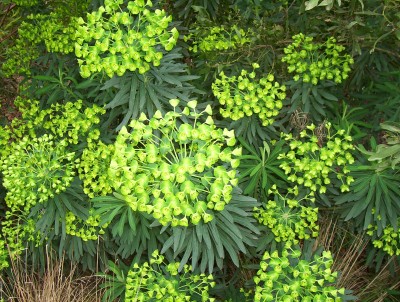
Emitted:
pixel 36 170
pixel 244 96
pixel 93 169
pixel 388 241
pixel 38 162
pixel 158 281
pixel 314 62
pixel 3 254
pixel 115 41
pixel 218 38
pixel 175 172
pixel 56 32
pixel 26 3
pixel 70 121
pixel 288 278
pixel 86 229
pixel 311 163
pixel 58 37
pixel 287 218
pixel 17 231
pixel 35 160
pixel 73 121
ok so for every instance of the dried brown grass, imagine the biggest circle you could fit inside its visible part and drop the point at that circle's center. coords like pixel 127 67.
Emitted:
pixel 58 283
pixel 350 260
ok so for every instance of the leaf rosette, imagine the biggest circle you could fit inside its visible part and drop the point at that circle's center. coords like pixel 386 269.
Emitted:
pixel 288 219
pixel 177 172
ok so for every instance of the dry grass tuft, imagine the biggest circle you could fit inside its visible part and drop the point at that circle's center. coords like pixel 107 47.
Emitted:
pixel 349 252
pixel 57 284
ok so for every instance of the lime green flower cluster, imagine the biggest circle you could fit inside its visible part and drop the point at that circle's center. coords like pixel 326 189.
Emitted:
pixel 57 36
pixel 114 41
pixel 244 96
pixel 26 3
pixel 93 169
pixel 17 231
pixel 217 38
pixel 287 278
pixel 175 172
pixel 314 62
pixel 3 254
pixel 388 241
pixel 86 229
pixel 72 120
pixel 36 170
pixel 55 31
pixel 160 282
pixel 19 56
pixel 312 162
pixel 287 218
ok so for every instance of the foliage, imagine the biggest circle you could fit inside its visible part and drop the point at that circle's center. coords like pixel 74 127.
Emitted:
pixel 186 8
pixel 287 218
pixel 311 164
pixel 152 91
pixel 99 163
pixel 123 40
pixel 317 62
pixel 286 277
pixel 127 233
pixel 244 96
pixel 259 168
pixel 373 197
pixel 147 282
pixel 176 173
pixel 387 154
pixel 318 101
pixel 61 83
pixel 232 231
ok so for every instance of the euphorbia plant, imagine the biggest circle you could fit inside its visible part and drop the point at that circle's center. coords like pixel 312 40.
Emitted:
pixel 285 277
pixel 288 217
pixel 218 38
pixel 314 62
pixel 158 281
pixel 244 95
pixel 38 165
pixel 323 153
pixel 177 172
pixel 115 40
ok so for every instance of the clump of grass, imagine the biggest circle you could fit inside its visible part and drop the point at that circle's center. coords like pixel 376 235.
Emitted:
pixel 58 283
pixel 350 260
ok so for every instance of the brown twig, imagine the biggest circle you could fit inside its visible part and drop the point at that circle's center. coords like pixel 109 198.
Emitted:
pixel 9 35
pixel 8 9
